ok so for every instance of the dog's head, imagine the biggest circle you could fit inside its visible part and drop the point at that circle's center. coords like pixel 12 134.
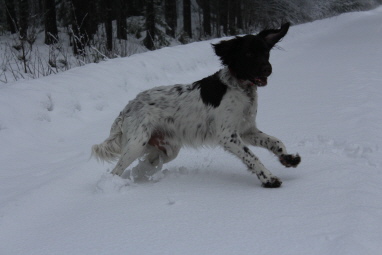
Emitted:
pixel 247 57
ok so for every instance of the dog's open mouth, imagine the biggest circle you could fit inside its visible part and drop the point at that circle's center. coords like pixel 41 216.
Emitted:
pixel 260 81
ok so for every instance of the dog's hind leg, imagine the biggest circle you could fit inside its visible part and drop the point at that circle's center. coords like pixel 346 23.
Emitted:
pixel 156 156
pixel 158 151
pixel 161 148
pixel 130 152
pixel 236 146
pixel 133 146
pixel 172 153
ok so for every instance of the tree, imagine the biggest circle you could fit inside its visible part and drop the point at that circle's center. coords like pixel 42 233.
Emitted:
pixel 206 17
pixel 238 14
pixel 170 17
pixel 232 6
pixel 135 7
pixel 150 25
pixel 223 10
pixel 24 18
pixel 187 18
pixel 80 26
pixel 109 25
pixel 11 16
pixel 94 17
pixel 51 33
pixel 216 5
pixel 121 20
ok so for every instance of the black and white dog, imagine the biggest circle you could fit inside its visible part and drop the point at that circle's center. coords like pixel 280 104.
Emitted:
pixel 217 110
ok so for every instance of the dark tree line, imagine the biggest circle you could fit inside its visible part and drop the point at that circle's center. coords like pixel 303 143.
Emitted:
pixel 183 20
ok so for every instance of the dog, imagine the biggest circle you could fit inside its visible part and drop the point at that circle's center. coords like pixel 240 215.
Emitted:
pixel 218 110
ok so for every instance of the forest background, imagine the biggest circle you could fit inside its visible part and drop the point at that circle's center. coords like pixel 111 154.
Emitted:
pixel 43 37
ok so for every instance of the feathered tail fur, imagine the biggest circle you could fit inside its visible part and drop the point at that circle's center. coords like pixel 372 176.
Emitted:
pixel 110 149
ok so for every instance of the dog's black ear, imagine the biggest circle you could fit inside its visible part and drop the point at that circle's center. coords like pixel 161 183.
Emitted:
pixel 225 50
pixel 273 36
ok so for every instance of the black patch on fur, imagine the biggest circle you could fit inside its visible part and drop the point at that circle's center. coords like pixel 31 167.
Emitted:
pixel 212 90
pixel 179 89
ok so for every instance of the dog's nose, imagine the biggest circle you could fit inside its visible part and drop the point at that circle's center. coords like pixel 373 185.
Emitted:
pixel 266 70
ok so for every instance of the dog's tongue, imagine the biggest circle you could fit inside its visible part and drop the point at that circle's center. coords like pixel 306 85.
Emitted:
pixel 260 81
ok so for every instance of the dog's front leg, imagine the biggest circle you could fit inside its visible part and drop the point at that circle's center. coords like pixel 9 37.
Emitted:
pixel 234 144
pixel 257 138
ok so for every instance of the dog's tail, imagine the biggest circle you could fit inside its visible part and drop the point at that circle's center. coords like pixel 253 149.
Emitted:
pixel 110 149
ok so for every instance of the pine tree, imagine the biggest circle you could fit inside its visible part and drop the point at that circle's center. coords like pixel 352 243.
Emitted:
pixel 94 17
pixel 80 26
pixel 109 25
pixel 232 5
pixel 223 10
pixel 187 18
pixel 24 18
pixel 170 17
pixel 238 14
pixel 11 16
pixel 150 25
pixel 51 33
pixel 121 20
pixel 206 17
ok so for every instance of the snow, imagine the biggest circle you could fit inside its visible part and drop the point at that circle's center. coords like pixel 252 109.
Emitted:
pixel 323 101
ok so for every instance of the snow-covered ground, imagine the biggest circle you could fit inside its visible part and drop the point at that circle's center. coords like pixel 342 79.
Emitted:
pixel 323 100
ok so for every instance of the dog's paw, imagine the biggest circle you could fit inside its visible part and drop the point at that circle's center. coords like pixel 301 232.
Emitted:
pixel 289 160
pixel 274 182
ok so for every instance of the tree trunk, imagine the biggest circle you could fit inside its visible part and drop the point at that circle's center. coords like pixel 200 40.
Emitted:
pixel 51 33
pixel 80 26
pixel 150 25
pixel 24 17
pixel 187 17
pixel 224 17
pixel 239 15
pixel 217 18
pixel 94 17
pixel 232 5
pixel 109 25
pixel 11 16
pixel 170 17
pixel 207 17
pixel 121 20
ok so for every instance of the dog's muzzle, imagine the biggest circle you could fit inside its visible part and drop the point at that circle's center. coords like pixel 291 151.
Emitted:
pixel 260 81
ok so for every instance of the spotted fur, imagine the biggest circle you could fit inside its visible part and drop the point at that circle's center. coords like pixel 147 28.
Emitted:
pixel 219 110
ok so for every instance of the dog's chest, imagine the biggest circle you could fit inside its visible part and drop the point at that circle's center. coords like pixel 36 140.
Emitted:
pixel 240 106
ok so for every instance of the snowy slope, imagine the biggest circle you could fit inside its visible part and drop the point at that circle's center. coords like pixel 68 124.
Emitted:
pixel 323 100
